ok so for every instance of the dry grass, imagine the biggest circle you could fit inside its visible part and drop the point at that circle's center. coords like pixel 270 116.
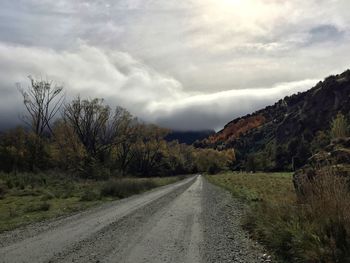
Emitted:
pixel 312 228
pixel 327 196
pixel 274 187
pixel 326 204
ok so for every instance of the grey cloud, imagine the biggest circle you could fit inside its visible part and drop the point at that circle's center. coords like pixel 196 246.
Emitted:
pixel 325 33
pixel 215 110
pixel 88 71
pixel 124 81
pixel 159 58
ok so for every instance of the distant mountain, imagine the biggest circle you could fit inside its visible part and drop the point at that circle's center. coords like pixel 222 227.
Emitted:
pixel 188 137
pixel 284 135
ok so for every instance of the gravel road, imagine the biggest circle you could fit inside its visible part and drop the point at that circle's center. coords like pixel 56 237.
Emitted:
pixel 189 221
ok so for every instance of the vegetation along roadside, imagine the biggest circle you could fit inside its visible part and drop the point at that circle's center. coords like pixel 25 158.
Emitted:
pixel 314 228
pixel 27 197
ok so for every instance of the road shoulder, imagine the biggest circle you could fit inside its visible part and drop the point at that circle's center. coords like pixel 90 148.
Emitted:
pixel 226 240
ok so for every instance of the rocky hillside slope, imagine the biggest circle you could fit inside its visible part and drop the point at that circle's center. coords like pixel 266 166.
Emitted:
pixel 283 136
pixel 188 137
pixel 334 159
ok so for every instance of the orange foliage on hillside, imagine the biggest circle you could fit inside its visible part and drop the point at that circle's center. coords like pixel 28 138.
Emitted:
pixel 235 129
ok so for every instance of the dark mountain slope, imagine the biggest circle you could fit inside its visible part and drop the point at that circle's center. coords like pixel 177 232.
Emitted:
pixel 188 137
pixel 284 135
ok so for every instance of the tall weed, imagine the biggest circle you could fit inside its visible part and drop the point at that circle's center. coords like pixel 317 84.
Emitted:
pixel 315 227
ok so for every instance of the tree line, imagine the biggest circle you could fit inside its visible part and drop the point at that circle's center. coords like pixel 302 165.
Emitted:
pixel 295 153
pixel 89 138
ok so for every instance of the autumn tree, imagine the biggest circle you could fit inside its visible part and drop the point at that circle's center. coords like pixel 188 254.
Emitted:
pixel 14 154
pixel 125 151
pixel 95 124
pixel 213 161
pixel 67 151
pixel 150 149
pixel 177 157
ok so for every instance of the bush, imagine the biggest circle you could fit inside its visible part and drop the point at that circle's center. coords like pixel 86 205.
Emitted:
pixel 3 190
pixel 327 205
pixel 89 195
pixel 316 229
pixel 43 206
pixel 126 187
pixel 48 196
pixel 23 180
pixel 339 127
pixel 213 169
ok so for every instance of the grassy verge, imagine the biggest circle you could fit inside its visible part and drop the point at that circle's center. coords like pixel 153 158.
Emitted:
pixel 27 198
pixel 313 230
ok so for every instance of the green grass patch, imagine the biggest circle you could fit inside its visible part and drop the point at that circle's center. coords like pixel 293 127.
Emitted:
pixel 20 210
pixel 28 198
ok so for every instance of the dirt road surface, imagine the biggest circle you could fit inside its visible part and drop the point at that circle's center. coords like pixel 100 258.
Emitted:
pixel 186 222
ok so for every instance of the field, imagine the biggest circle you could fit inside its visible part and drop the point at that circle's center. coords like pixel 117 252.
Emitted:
pixel 26 198
pixel 253 187
pixel 316 229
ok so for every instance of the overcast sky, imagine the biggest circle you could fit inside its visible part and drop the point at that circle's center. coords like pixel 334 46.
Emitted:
pixel 191 64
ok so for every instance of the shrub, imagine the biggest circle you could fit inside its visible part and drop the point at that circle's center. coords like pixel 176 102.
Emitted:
pixel 315 229
pixel 28 192
pixel 213 169
pixel 126 187
pixel 38 207
pixel 3 190
pixel 89 195
pixel 327 205
pixel 182 177
pixel 47 196
pixel 23 180
pixel 9 184
pixel 339 127
pixel 12 212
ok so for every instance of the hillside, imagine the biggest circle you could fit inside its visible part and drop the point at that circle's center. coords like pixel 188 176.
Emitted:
pixel 188 137
pixel 284 135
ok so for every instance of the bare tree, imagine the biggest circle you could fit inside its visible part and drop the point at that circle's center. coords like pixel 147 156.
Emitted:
pixel 95 125
pixel 125 150
pixel 42 99
pixel 150 148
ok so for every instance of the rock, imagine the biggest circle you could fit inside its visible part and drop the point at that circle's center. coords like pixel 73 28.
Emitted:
pixel 334 159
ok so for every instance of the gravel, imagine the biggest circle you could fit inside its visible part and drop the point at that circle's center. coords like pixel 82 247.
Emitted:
pixel 189 221
pixel 226 241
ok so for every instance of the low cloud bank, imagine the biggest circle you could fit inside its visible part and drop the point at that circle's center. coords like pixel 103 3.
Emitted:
pixel 122 80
